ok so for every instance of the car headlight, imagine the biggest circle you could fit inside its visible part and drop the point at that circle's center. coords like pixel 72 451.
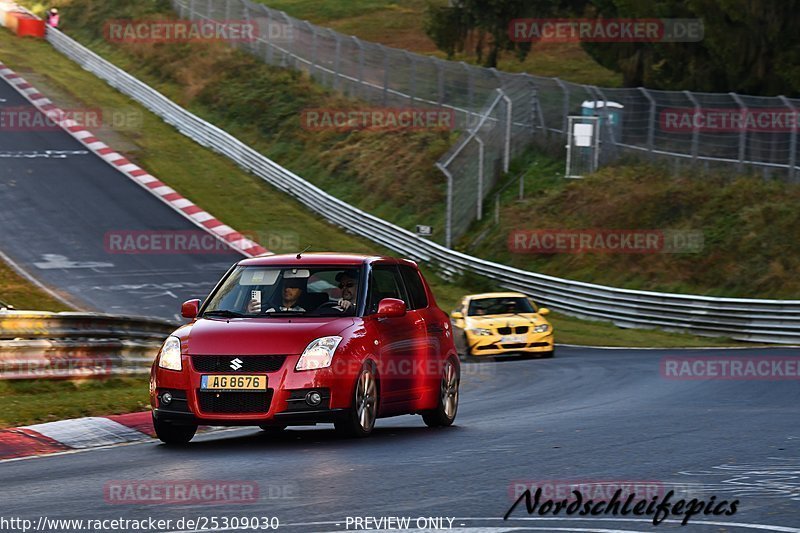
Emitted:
pixel 318 354
pixel 170 355
pixel 483 332
pixel 541 328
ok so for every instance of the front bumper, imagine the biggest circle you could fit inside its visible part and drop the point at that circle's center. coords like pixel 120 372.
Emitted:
pixel 491 345
pixel 284 402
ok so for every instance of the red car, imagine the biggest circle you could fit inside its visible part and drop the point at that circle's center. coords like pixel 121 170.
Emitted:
pixel 299 339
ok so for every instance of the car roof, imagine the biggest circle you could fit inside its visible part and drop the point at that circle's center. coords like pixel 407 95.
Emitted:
pixel 322 258
pixel 496 295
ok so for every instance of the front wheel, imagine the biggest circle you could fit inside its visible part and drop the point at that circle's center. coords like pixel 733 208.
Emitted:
pixel 360 420
pixel 445 412
pixel 172 434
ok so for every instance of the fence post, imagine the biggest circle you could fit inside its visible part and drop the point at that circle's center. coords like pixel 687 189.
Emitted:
pixel 361 60
pixel 385 75
pixel 507 142
pixel 792 137
pixel 695 128
pixel 228 10
pixel 481 159
pixel 268 39
pixel 413 84
pixel 439 79
pixel 448 226
pixel 743 133
pixel 470 95
pixel 651 123
pixel 337 60
pixel 313 64
pixel 564 125
pixel 536 109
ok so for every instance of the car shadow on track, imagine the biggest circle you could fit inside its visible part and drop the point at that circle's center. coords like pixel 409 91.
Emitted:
pixel 293 437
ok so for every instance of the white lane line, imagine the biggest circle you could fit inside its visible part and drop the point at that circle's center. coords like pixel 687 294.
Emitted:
pixel 755 346
pixel 89 432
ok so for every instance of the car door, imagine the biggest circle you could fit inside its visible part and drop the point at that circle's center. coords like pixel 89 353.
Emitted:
pixel 402 340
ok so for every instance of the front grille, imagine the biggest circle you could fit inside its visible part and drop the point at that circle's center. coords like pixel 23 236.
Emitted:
pixel 250 363
pixel 234 402
pixel 509 330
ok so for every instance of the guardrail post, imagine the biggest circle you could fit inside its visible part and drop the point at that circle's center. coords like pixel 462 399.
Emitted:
pixel 695 128
pixel 742 133
pixel 792 137
pixel 564 124
pixel 651 122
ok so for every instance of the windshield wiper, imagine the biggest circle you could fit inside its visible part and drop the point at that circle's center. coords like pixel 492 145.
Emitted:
pixel 224 313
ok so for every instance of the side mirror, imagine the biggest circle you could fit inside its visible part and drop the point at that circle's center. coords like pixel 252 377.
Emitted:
pixel 544 311
pixel 457 315
pixel 391 308
pixel 190 308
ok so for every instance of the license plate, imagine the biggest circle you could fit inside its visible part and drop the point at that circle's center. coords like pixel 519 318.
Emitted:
pixel 235 382
pixel 508 339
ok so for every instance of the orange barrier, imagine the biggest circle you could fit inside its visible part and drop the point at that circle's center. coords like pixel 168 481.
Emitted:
pixel 29 26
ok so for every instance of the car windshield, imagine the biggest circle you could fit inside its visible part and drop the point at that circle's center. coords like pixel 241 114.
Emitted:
pixel 500 306
pixel 264 292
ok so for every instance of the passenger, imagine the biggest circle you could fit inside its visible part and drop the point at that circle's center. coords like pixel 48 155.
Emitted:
pixel 291 291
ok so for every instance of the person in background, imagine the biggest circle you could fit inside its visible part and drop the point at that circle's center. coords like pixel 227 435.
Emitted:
pixel 53 18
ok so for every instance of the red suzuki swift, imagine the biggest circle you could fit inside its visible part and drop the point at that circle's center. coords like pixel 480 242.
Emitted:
pixel 296 340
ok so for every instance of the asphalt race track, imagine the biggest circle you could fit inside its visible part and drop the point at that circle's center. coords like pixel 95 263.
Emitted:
pixel 586 415
pixel 58 202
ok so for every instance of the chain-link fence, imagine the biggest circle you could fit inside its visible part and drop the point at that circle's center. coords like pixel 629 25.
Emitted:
pixel 500 114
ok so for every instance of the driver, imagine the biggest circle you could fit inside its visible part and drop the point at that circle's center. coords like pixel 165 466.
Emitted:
pixel 348 283
pixel 292 291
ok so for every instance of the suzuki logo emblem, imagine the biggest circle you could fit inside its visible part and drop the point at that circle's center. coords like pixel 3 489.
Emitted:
pixel 236 364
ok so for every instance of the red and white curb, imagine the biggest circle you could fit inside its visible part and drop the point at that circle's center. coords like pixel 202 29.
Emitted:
pixel 75 434
pixel 189 210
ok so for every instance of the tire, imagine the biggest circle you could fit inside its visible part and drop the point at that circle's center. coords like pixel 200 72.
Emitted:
pixel 548 355
pixel 447 407
pixel 173 434
pixel 360 419
pixel 273 430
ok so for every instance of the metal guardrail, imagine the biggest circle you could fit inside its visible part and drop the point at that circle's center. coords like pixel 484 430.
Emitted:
pixel 775 321
pixel 39 344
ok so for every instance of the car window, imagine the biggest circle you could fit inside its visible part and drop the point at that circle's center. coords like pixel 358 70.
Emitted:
pixel 313 292
pixel 499 306
pixel 414 286
pixel 385 282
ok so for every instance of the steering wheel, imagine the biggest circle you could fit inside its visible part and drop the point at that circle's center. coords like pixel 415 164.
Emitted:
pixel 331 306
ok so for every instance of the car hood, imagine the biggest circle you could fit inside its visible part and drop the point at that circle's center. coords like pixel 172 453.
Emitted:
pixel 499 321
pixel 258 336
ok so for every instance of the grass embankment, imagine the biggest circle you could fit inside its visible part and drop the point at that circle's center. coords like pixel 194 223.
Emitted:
pixel 750 229
pixel 33 402
pixel 400 24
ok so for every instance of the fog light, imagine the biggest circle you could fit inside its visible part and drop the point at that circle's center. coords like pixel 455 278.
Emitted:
pixel 313 398
pixel 166 398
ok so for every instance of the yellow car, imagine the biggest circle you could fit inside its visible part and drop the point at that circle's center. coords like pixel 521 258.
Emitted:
pixel 500 323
